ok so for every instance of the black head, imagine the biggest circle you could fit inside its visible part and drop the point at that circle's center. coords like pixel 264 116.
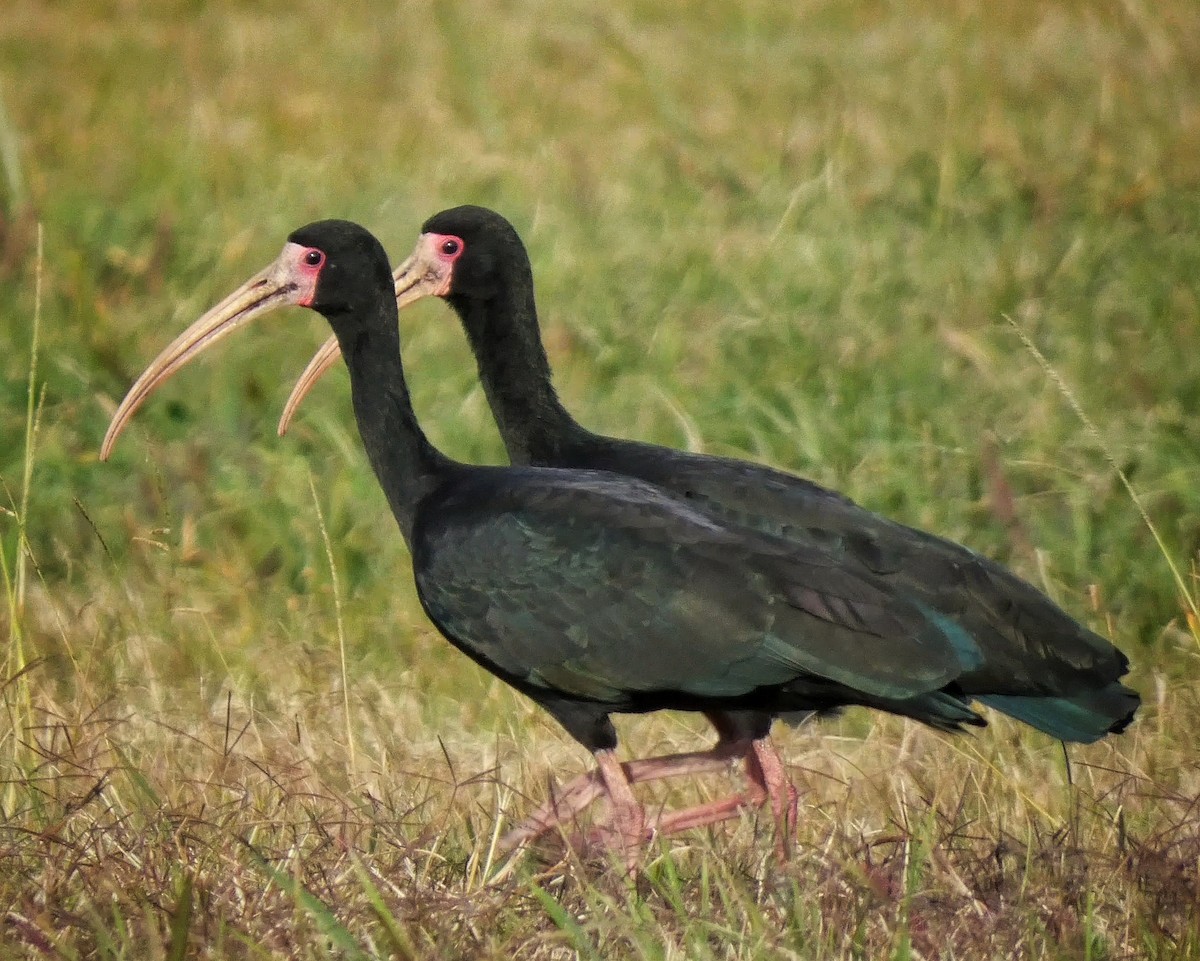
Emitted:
pixel 350 266
pixel 489 252
pixel 333 266
pixel 470 256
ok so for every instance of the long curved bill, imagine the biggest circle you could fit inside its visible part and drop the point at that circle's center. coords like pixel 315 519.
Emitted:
pixel 273 287
pixel 421 275
pixel 326 356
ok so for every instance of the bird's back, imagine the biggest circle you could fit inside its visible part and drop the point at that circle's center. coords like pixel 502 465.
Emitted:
pixel 603 587
pixel 1030 646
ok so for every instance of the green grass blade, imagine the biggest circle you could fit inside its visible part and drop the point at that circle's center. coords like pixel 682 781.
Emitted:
pixel 181 919
pixel 317 909
pixel 564 922
pixel 1185 594
pixel 402 945
pixel 10 160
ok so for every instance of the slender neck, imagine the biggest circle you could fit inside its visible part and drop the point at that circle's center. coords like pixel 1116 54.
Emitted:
pixel 407 465
pixel 504 335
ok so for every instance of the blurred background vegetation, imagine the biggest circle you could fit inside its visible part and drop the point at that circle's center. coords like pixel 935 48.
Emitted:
pixel 788 234
pixel 786 231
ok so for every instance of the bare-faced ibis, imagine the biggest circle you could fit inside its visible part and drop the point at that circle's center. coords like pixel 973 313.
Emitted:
pixel 593 592
pixel 1032 660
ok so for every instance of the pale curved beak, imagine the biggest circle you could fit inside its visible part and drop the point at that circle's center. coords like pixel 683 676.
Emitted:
pixel 325 357
pixel 273 287
pixel 421 275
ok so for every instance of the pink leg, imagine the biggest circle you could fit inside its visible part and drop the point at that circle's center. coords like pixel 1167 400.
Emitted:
pixel 701 815
pixel 626 816
pixel 766 780
pixel 563 806
pixel 566 804
pixel 764 767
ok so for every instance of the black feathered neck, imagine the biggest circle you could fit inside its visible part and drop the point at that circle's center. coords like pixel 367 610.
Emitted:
pixel 354 293
pixel 492 292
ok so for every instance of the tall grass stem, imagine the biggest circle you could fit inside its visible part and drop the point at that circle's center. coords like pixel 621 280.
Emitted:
pixel 1192 607
pixel 337 609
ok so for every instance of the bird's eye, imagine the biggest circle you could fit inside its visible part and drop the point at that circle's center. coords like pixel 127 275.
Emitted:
pixel 314 258
pixel 451 247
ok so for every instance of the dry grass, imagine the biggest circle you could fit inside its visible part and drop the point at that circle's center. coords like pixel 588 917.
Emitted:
pixel 788 231
pixel 141 830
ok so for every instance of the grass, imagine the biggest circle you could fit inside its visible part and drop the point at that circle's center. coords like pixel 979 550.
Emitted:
pixel 787 231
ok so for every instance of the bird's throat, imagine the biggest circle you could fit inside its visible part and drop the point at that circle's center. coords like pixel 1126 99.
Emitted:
pixel 515 373
pixel 407 466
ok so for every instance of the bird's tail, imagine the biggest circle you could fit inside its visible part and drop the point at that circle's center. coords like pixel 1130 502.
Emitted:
pixel 1083 717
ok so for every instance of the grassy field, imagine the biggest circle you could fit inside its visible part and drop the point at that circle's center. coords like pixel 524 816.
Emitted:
pixel 805 233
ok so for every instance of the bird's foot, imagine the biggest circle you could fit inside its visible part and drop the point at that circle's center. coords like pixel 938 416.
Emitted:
pixel 766 782
pixel 627 827
pixel 565 805
pixel 769 781
pixel 625 833
pixel 627 824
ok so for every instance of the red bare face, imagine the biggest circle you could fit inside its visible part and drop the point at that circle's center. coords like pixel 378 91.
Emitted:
pixel 291 279
pixel 447 248
pixel 309 261
pixel 427 273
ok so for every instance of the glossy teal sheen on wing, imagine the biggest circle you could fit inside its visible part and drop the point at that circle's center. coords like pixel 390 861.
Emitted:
pixel 969 655
pixel 658 598
pixel 1085 718
pixel 911 605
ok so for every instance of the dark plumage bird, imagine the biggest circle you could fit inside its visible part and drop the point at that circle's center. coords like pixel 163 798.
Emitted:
pixel 1022 654
pixel 588 591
